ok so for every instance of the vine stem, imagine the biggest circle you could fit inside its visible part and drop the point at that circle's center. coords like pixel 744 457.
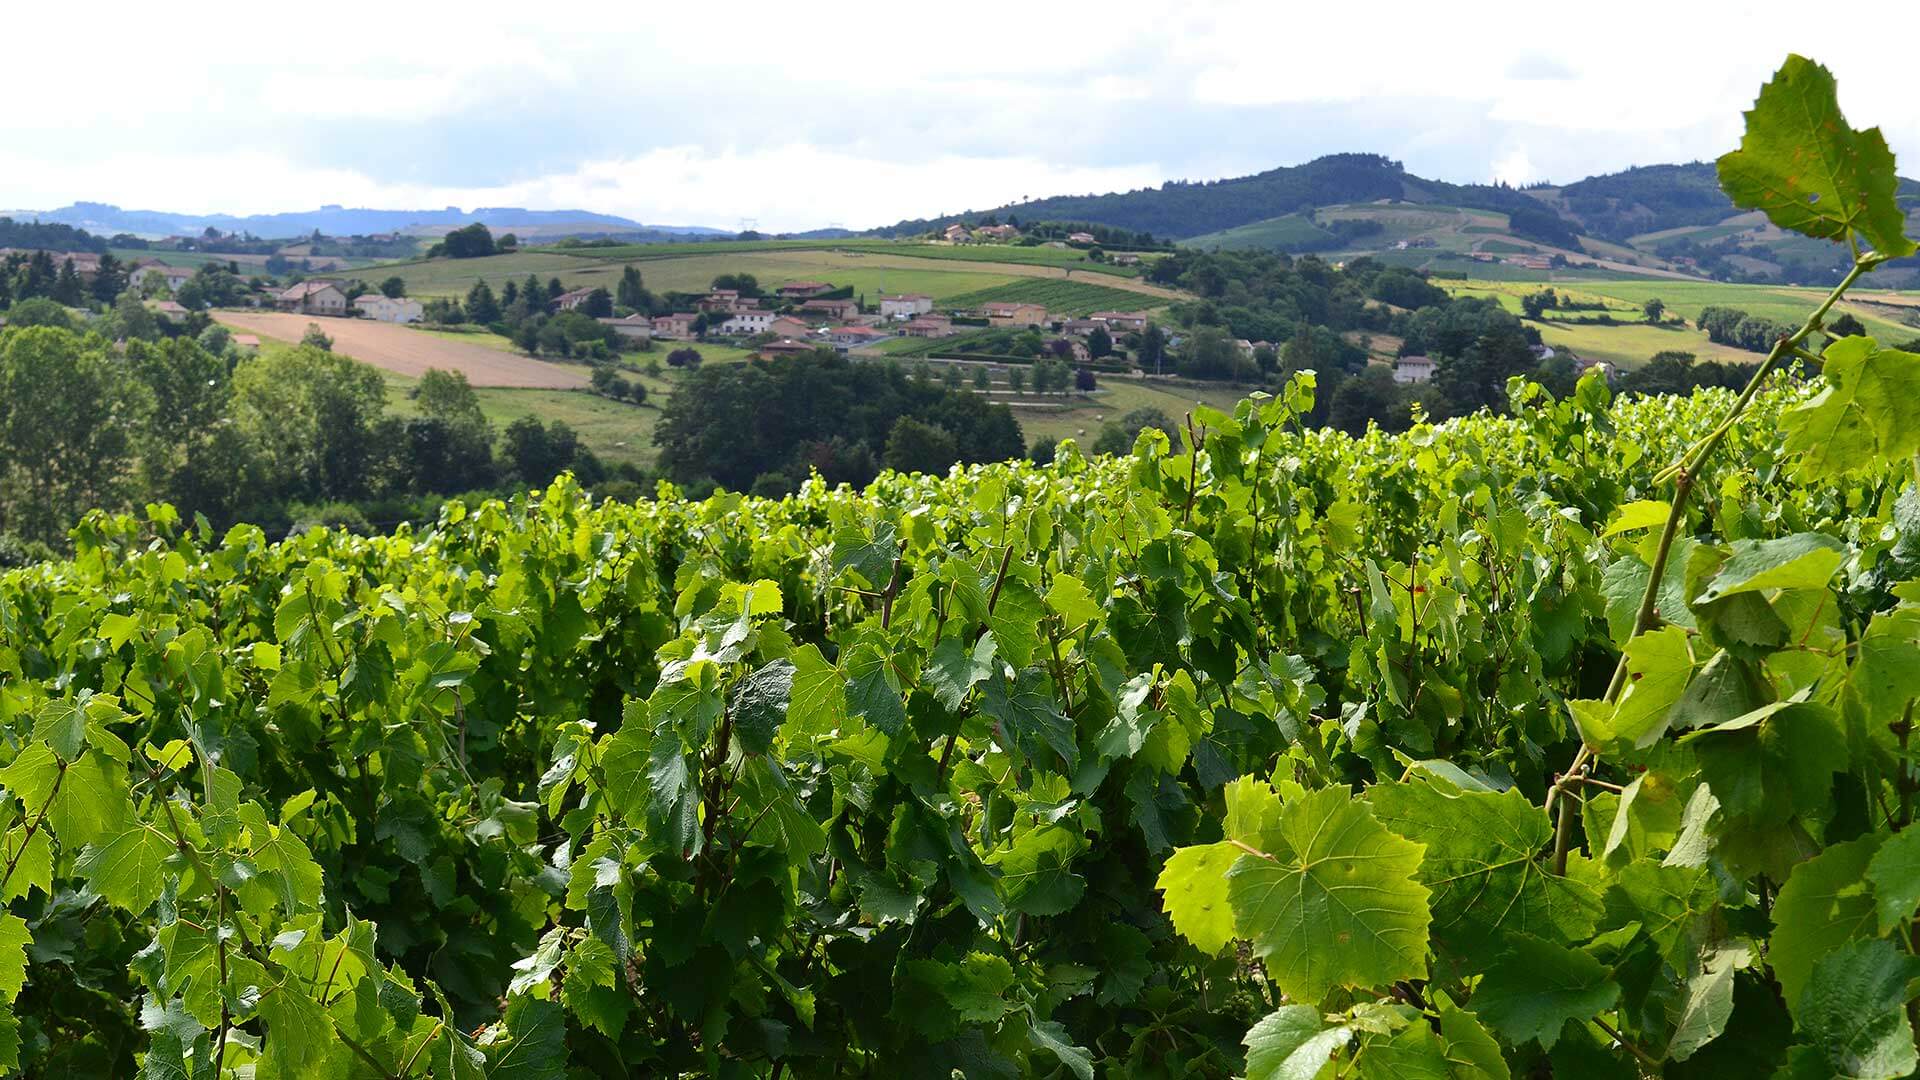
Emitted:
pixel 38 820
pixel 220 950
pixel 1614 1033
pixel 1000 579
pixel 1683 473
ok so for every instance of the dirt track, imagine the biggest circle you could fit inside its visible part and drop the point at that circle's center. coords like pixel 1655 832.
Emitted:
pixel 409 352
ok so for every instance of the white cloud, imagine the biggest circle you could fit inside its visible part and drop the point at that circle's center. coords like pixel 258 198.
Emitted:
pixel 1515 167
pixel 867 113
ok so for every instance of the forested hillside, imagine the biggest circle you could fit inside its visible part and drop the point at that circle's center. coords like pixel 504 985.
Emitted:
pixel 1179 209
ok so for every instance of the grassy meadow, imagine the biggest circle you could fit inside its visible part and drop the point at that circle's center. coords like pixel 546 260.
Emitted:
pixel 1632 343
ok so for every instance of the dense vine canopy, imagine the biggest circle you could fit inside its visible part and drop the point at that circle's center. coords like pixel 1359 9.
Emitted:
pixel 1574 743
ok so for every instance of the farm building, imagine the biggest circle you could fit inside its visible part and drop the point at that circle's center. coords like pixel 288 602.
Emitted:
pixel 747 321
pixel 677 325
pixel 1412 369
pixel 787 326
pixel 722 300
pixel 958 234
pixel 388 309
pixel 997 232
pixel 567 301
pixel 175 276
pixel 1121 321
pixel 313 298
pixel 905 306
pixel 803 290
pixel 929 326
pixel 787 347
pixel 852 337
pixel 1014 314
pixel 634 327
pixel 832 310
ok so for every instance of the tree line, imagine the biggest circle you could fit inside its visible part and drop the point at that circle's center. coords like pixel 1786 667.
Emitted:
pixel 270 439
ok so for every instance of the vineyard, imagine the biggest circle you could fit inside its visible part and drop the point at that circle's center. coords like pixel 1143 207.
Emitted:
pixel 1071 298
pixel 1571 744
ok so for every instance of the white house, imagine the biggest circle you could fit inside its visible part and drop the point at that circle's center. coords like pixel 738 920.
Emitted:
pixel 175 276
pixel 905 306
pixel 567 301
pixel 747 321
pixel 388 309
pixel 1412 369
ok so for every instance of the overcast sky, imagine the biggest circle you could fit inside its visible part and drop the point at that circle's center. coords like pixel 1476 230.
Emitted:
pixel 861 114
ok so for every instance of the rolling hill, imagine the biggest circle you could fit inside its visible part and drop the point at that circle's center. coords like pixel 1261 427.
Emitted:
pixel 1661 218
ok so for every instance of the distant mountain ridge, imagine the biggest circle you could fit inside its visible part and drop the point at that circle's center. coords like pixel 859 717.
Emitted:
pixel 1610 205
pixel 1665 217
pixel 337 220
pixel 1180 208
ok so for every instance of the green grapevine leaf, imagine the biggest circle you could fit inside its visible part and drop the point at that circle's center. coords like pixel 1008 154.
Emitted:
pixel 1052 1036
pixel 1340 907
pixel 1669 902
pixel 299 1035
pixel 1800 561
pixel 1480 864
pixel 538 1048
pixel 126 867
pixel 673 803
pixel 14 939
pixel 284 864
pixel 1195 883
pixel 1036 873
pixel 1029 717
pixel 1292 1043
pixel 1811 173
pixel 1825 903
pixel 1015 622
pixel 955 668
pixel 1774 762
pixel 1852 1013
pixel 1535 987
pixel 1708 1002
pixel 873 690
pixel 1659 663
pixel 1895 874
pixel 1866 413
pixel 32 860
pixel 760 705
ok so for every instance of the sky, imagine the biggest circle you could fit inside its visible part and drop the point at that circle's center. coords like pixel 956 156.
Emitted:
pixel 785 117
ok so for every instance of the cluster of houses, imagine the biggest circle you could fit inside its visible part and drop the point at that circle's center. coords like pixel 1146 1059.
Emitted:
pixel 981 234
pixel 323 297
pixel 1414 369
pixel 808 317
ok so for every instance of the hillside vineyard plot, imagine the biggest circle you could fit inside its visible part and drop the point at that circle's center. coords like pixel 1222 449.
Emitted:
pixel 1572 744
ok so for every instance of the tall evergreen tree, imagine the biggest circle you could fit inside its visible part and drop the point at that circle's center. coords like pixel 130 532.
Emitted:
pixel 67 288
pixel 482 308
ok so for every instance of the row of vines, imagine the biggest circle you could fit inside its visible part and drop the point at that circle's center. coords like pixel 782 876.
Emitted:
pixel 1572 744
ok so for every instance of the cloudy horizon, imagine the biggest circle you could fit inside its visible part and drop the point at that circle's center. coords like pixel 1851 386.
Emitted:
pixel 866 114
